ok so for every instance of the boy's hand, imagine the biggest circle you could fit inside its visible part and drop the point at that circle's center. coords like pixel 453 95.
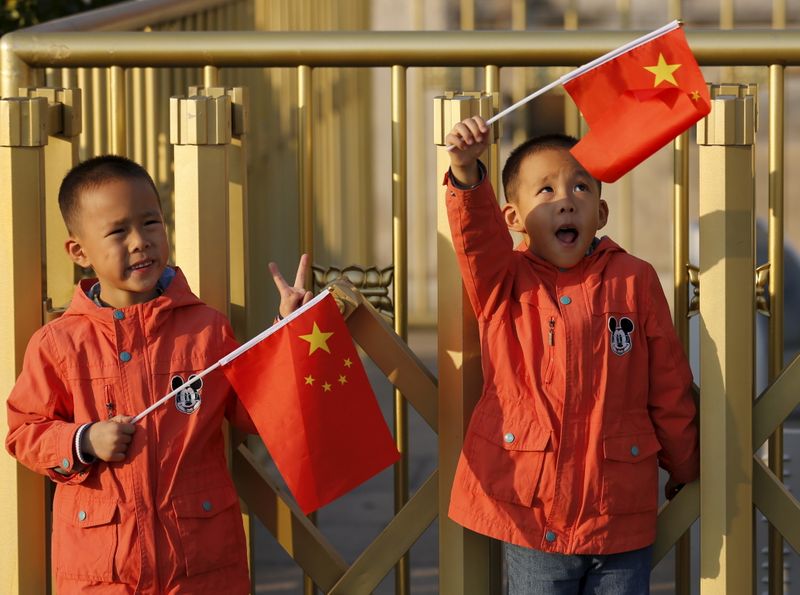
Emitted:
pixel 469 139
pixel 108 440
pixel 672 488
pixel 292 297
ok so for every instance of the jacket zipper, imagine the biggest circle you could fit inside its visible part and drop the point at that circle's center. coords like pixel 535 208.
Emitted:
pixel 111 408
pixel 551 341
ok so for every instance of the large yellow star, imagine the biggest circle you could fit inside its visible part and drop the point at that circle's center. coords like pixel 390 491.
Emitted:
pixel 317 340
pixel 663 71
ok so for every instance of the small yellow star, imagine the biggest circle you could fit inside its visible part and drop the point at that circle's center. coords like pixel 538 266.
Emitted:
pixel 326 387
pixel 347 363
pixel 317 340
pixel 342 379
pixel 309 379
pixel 695 95
pixel 663 71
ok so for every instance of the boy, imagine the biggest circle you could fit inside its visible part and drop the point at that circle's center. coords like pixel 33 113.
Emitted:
pixel 149 508
pixel 586 387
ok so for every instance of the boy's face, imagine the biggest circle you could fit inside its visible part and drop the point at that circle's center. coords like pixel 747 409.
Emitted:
pixel 556 206
pixel 120 233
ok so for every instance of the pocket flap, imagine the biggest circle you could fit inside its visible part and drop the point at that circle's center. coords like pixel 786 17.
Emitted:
pixel 206 503
pixel 88 512
pixel 512 434
pixel 631 448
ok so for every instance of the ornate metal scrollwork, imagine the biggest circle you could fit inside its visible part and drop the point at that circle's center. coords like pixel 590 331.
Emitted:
pixel 372 282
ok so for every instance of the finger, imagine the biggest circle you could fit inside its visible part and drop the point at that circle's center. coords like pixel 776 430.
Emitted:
pixel 280 282
pixel 307 297
pixel 116 457
pixel 476 128
pixel 127 428
pixel 300 279
pixel 124 439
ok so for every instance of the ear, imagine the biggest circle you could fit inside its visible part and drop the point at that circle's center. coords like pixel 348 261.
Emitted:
pixel 197 383
pixel 627 325
pixel 76 253
pixel 176 382
pixel 603 218
pixel 511 216
pixel 612 324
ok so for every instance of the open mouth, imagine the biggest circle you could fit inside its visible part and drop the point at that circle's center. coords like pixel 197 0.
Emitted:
pixel 567 234
pixel 139 266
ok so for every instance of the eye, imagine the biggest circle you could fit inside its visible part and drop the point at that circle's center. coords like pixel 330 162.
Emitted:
pixel 582 187
pixel 115 232
pixel 546 189
pixel 153 222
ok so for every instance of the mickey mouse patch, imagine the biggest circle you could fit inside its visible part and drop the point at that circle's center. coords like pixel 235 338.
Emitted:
pixel 188 398
pixel 620 334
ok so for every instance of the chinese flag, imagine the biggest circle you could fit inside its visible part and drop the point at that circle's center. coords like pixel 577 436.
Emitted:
pixel 308 395
pixel 636 103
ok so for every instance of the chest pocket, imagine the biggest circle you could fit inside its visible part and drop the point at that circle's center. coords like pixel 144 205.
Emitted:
pixel 506 456
pixel 85 535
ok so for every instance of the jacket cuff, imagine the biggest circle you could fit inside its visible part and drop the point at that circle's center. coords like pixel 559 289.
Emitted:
pixel 451 180
pixel 73 472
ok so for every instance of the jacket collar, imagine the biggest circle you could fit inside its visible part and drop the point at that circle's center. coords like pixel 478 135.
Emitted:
pixel 177 294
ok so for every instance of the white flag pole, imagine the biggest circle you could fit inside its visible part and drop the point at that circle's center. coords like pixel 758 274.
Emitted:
pixel 583 69
pixel 233 354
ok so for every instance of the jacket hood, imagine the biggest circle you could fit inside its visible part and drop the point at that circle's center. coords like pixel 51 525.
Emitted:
pixel 176 295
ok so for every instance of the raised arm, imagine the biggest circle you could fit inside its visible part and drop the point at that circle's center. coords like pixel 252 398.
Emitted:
pixel 481 239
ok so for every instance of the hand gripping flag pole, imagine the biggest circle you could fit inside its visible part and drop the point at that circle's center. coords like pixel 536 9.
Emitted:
pixel 231 356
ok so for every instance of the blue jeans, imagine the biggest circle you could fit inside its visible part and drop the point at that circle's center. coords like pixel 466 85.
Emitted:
pixel 532 572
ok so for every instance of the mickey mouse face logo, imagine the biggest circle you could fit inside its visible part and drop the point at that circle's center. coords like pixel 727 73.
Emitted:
pixel 187 400
pixel 620 334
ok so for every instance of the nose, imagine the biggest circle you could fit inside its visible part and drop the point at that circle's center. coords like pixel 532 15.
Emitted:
pixel 139 239
pixel 567 205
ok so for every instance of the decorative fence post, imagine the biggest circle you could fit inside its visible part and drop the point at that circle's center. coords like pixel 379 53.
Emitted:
pixel 727 311
pixel 464 556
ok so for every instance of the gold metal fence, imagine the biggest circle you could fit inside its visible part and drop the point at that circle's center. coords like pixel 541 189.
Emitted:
pixel 130 87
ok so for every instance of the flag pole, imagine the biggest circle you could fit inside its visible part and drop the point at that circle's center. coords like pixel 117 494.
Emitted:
pixel 582 69
pixel 233 354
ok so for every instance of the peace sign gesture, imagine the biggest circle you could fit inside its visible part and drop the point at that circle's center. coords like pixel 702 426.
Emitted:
pixel 292 297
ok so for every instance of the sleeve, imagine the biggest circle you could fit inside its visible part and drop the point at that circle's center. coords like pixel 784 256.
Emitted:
pixel 484 248
pixel 235 412
pixel 671 405
pixel 41 429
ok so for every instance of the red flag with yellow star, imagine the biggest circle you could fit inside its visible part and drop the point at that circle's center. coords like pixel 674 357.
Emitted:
pixel 308 394
pixel 636 103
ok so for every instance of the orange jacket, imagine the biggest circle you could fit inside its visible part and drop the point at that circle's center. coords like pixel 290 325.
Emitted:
pixel 167 519
pixel 586 389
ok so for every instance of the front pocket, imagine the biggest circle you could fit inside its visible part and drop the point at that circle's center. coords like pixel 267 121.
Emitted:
pixel 630 474
pixel 210 528
pixel 506 456
pixel 85 534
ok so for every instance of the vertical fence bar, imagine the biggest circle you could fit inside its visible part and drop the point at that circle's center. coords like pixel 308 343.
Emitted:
pixel 117 107
pixel 680 309
pixel 138 133
pixel 400 259
pixel 492 78
pixel 87 87
pixel 727 306
pixel 776 303
pixel 23 560
pixel 305 174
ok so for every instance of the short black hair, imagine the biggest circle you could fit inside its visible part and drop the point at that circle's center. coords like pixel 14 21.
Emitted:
pixel 93 173
pixel 530 147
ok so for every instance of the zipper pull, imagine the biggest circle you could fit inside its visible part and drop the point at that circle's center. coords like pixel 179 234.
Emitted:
pixel 551 336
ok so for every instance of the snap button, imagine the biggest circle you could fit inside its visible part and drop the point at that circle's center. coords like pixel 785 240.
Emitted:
pixel 550 536
pixel 207 506
pixel 125 356
pixel 565 299
pixel 65 463
pixel 508 438
pixel 119 314
pixel 82 515
pixel 635 450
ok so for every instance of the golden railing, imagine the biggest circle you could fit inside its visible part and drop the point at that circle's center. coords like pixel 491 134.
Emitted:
pixel 31 59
